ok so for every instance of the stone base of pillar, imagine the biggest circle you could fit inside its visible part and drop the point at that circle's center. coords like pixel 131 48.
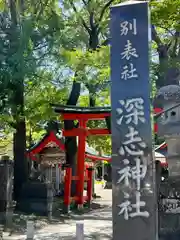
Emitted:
pixel 169 226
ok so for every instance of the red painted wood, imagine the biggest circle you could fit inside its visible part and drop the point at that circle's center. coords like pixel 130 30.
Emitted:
pixel 164 146
pixel 155 127
pixel 84 116
pixel 50 138
pixel 85 198
pixel 67 186
pixel 87 132
pixel 158 110
pixel 75 178
pixel 32 157
pixel 164 164
pixel 99 131
pixel 76 198
pixel 97 158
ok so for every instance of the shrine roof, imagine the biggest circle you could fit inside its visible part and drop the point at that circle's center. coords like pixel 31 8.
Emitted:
pixel 59 140
pixel 49 137
pixel 80 110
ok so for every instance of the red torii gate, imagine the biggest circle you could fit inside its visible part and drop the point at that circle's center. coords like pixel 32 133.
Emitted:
pixel 83 115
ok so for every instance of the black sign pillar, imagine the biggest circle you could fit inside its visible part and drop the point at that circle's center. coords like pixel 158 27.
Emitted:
pixel 133 175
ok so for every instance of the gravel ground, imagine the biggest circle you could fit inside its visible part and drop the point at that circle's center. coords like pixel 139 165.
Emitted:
pixel 97 223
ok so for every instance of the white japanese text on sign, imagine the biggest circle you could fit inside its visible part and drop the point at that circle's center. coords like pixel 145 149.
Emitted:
pixel 129 71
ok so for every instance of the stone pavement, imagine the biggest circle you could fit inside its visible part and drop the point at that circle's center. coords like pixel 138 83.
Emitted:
pixel 97 223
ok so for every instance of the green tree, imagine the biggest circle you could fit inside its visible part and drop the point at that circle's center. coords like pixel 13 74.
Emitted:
pixel 88 27
pixel 87 30
pixel 166 41
pixel 28 29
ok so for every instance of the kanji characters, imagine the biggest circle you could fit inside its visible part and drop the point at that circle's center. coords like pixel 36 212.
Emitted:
pixel 126 207
pixel 137 206
pixel 133 145
pixel 125 173
pixel 138 172
pixel 128 26
pixel 130 113
pixel 129 51
pixel 129 72
pixel 135 111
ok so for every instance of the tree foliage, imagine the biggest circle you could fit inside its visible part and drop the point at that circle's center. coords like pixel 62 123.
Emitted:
pixel 166 41
pixel 63 56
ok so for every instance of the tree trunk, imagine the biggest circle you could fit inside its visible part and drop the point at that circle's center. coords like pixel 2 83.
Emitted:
pixel 19 141
pixel 92 100
pixel 19 144
pixel 168 73
pixel 20 161
pixel 70 142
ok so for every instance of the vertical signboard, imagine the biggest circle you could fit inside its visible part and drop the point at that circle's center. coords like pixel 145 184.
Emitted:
pixel 134 198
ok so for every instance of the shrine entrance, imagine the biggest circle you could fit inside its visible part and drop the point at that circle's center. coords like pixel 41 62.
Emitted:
pixel 82 115
pixel 48 160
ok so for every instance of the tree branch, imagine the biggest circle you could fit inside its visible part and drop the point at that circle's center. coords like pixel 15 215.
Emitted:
pixel 174 49
pixel 13 13
pixel 162 49
pixel 75 93
pixel 104 9
pixel 91 20
pixel 85 3
pixel 83 22
pixel 41 9
pixel 155 37
pixel 178 55
pixel 105 42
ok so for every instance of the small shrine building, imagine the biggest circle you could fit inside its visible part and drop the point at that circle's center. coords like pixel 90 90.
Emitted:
pixel 49 155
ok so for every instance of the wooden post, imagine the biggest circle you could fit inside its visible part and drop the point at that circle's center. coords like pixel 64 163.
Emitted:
pixel 133 166
pixel 81 165
pixel 60 174
pixel 57 177
pixel 46 173
pixel 67 189
pixel 50 174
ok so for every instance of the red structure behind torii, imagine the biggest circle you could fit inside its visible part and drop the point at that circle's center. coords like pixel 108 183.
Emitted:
pixel 51 137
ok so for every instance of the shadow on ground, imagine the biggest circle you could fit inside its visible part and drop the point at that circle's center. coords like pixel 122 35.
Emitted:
pixel 88 237
pixel 104 214
pixel 103 235
pixel 20 219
